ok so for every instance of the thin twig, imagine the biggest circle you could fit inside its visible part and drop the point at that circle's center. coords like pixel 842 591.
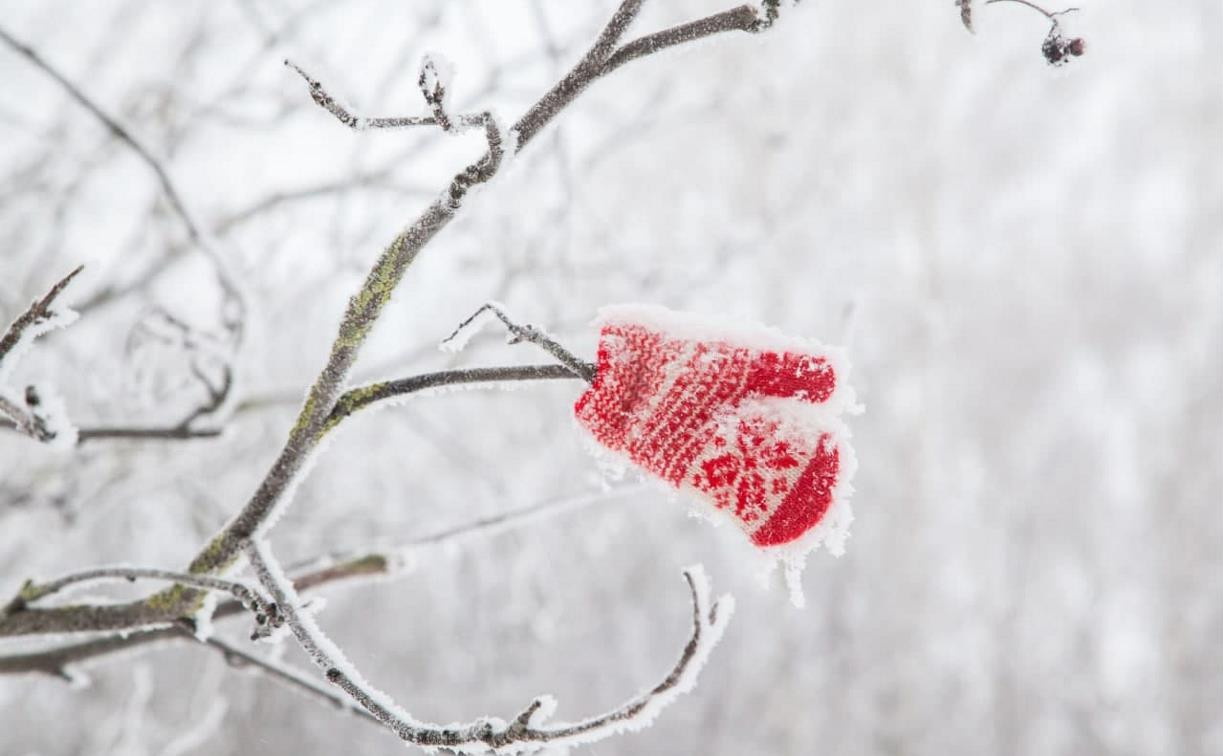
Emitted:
pixel 363 396
pixel 39 312
pixel 433 89
pixel 128 432
pixel 236 656
pixel 28 412
pixel 529 333
pixel 1051 15
pixel 32 591
pixel 56 661
pixel 175 433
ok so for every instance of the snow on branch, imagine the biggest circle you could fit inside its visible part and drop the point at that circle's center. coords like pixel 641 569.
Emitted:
pixel 361 397
pixel 607 54
pixel 37 411
pixel 57 660
pixel 434 84
pixel 526 732
pixel 38 319
pixel 283 673
pixel 518 334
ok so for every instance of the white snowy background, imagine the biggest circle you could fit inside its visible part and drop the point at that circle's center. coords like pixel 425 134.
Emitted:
pixel 1025 264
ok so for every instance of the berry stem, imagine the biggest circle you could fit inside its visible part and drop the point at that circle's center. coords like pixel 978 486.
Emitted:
pixel 1052 16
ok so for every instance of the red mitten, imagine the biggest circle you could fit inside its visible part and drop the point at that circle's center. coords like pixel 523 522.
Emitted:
pixel 747 419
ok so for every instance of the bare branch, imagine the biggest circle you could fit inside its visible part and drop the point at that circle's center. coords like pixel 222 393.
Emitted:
pixel 34 320
pixel 327 102
pixel 514 517
pixel 24 417
pixel 520 333
pixel 709 621
pixel 29 413
pixel 175 433
pixel 604 58
pixel 56 661
pixel 363 396
pixel 965 7
pixel 1051 15
pixel 126 432
pixel 433 87
pixel 31 592
pixel 615 29
pixel 744 18
pixel 238 657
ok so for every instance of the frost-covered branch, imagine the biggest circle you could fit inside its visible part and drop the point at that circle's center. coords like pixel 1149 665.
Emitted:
pixel 605 57
pixel 41 417
pixel 238 657
pixel 30 592
pixel 434 85
pixel 527 730
pixel 520 333
pixel 363 396
pixel 131 432
pixel 31 412
pixel 147 433
pixel 180 431
pixel 39 318
pixel 745 18
pixel 57 661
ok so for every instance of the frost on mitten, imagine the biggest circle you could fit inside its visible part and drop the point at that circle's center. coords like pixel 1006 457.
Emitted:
pixel 745 418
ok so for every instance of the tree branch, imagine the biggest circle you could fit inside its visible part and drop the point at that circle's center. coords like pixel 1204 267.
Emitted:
pixel 363 396
pixel 36 319
pixel 529 333
pixel 150 433
pixel 745 18
pixel 709 621
pixel 55 661
pixel 28 413
pixel 30 592
pixel 236 656
pixel 603 58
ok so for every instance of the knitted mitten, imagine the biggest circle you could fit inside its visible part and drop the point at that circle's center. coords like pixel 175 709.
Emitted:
pixel 746 419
